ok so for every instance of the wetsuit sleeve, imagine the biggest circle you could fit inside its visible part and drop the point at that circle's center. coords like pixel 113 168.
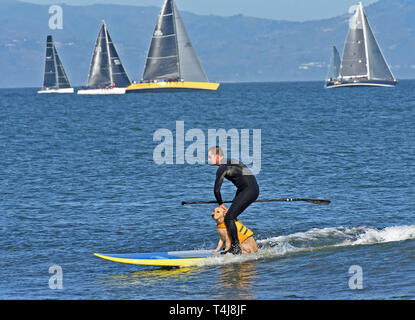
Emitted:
pixel 220 175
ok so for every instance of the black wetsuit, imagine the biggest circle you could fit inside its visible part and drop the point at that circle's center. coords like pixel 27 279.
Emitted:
pixel 246 193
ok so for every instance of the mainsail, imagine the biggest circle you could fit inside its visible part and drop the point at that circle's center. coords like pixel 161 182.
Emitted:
pixel 55 76
pixel 171 55
pixel 106 67
pixel 354 53
pixel 362 56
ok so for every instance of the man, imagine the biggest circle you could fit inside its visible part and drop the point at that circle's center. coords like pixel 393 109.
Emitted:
pixel 246 193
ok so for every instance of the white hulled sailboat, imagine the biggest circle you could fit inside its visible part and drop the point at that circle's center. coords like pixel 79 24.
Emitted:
pixel 107 74
pixel 334 68
pixel 55 79
pixel 363 63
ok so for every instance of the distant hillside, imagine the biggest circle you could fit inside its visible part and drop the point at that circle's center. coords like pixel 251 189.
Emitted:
pixel 236 48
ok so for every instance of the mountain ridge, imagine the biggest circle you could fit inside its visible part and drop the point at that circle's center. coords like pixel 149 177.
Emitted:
pixel 236 48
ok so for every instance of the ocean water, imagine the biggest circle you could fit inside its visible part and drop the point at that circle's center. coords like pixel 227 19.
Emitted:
pixel 77 176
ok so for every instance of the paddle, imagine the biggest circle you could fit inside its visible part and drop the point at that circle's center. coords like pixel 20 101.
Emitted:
pixel 315 201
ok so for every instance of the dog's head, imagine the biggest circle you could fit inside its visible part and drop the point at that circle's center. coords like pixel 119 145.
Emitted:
pixel 218 215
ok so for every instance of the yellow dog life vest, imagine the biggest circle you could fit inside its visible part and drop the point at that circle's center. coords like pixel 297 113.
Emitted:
pixel 243 232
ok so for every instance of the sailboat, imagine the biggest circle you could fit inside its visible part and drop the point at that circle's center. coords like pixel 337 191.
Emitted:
pixel 107 74
pixel 334 68
pixel 172 63
pixel 54 79
pixel 363 63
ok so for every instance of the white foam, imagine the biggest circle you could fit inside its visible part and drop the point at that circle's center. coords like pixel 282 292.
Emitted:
pixel 343 236
pixel 228 259
pixel 316 239
pixel 389 234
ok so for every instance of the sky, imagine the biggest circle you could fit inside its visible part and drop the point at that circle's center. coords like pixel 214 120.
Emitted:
pixel 293 10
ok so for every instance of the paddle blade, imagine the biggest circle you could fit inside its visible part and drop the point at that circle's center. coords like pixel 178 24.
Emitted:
pixel 318 201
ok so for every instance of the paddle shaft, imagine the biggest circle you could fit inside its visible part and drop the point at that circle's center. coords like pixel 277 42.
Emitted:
pixel 315 201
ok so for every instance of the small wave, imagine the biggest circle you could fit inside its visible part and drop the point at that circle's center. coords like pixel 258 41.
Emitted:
pixel 389 234
pixel 342 236
pixel 318 239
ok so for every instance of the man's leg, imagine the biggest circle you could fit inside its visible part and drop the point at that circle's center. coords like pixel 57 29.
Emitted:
pixel 233 234
pixel 239 204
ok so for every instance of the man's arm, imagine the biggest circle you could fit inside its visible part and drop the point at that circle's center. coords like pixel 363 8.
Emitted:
pixel 220 175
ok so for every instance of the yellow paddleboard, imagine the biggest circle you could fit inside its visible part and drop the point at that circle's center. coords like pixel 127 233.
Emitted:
pixel 166 259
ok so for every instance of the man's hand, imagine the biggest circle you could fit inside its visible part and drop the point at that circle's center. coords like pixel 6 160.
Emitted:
pixel 223 207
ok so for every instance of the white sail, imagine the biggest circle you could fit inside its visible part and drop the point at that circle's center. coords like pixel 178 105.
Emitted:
pixel 362 56
pixel 335 62
pixel 378 69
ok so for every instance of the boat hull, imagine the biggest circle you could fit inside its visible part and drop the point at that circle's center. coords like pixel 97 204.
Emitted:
pixel 102 91
pixel 362 83
pixel 65 90
pixel 172 87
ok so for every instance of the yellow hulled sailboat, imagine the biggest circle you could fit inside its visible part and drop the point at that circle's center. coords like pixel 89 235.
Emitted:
pixel 172 63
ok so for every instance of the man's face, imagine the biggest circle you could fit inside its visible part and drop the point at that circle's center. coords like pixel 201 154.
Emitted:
pixel 213 159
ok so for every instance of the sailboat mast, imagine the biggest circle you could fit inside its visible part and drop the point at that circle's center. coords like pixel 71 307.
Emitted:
pixel 362 13
pixel 108 52
pixel 173 9
pixel 55 65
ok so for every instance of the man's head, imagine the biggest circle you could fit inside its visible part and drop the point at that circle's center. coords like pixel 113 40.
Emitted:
pixel 215 155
